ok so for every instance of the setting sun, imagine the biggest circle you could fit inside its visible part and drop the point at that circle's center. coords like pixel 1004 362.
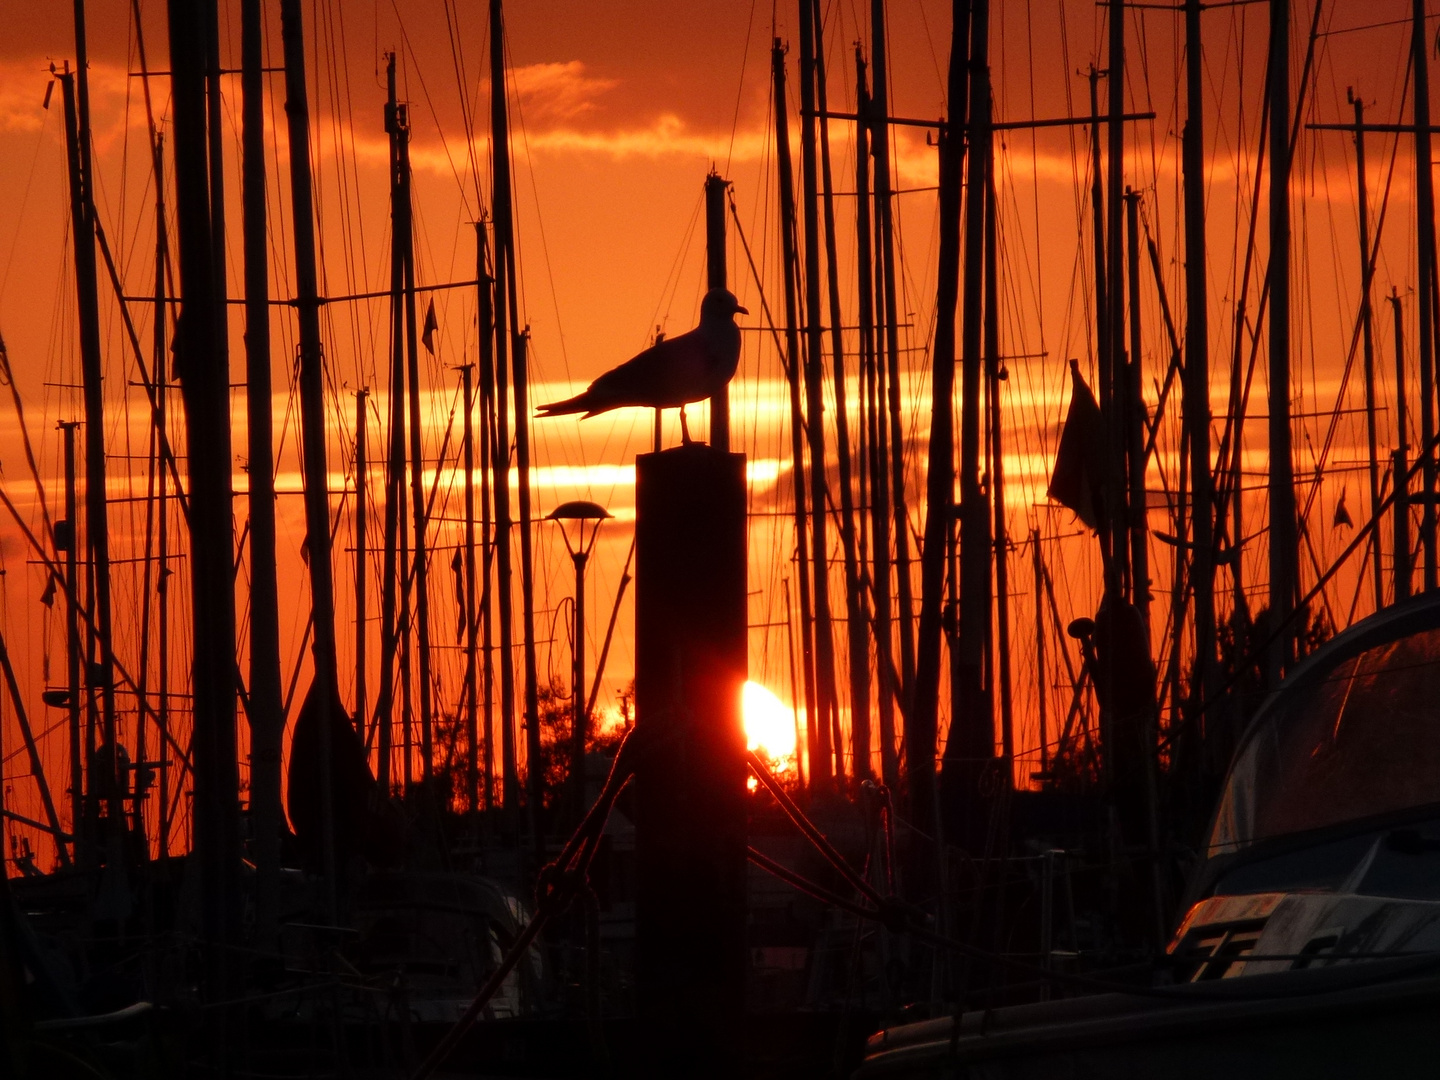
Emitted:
pixel 769 725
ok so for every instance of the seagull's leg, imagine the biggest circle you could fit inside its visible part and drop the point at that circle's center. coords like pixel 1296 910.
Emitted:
pixel 685 439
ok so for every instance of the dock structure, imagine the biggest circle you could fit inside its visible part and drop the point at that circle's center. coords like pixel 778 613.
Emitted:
pixel 690 643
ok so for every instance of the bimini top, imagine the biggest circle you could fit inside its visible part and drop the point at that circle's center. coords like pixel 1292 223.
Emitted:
pixel 1353 733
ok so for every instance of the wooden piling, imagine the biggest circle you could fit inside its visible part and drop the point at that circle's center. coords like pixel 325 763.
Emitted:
pixel 690 635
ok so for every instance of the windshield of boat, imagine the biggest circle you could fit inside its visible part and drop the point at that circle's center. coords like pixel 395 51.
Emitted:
pixel 1359 740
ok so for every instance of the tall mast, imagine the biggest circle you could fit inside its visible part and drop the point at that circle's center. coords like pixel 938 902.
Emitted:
pixel 312 426
pixel 1425 242
pixel 923 719
pixel 1368 342
pixel 873 430
pixel 205 386
pixel 1284 579
pixel 266 712
pixel 1196 376
pixel 1400 540
pixel 472 733
pixel 1133 421
pixel 485 318
pixel 394 473
pixel 162 544
pixel 1042 688
pixel 500 464
pixel 885 220
pixel 825 688
pixel 995 377
pixel 506 301
pixel 1113 378
pixel 362 570
pixel 66 539
pixel 817 738
pixel 97 532
pixel 857 613
pixel 405 241
pixel 312 361
pixel 1102 315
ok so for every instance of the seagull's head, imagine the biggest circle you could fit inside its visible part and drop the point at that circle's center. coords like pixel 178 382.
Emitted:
pixel 720 305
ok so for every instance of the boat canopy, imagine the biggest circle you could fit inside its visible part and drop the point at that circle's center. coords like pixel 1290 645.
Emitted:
pixel 1354 734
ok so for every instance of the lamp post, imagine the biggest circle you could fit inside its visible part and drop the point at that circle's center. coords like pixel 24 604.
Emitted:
pixel 580 512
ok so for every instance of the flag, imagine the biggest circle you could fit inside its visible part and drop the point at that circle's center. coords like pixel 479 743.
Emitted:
pixel 457 567
pixel 1342 515
pixel 1077 479
pixel 428 334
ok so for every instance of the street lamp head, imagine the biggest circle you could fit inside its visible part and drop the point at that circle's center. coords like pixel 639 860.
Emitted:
pixel 581 511
pixel 577 510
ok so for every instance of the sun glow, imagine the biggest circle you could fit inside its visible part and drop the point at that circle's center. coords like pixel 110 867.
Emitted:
pixel 769 726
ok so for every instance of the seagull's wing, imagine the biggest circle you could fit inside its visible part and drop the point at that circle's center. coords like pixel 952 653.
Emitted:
pixel 673 372
pixel 664 376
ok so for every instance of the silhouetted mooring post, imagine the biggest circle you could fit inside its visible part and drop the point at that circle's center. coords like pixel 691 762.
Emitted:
pixel 715 186
pixel 690 641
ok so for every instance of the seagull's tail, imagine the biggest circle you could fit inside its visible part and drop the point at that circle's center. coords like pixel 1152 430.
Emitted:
pixel 578 404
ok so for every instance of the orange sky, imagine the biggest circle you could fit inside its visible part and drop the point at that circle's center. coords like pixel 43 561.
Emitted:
pixel 619 110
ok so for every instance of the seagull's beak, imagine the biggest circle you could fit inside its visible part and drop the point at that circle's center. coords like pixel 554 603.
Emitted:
pixel 742 311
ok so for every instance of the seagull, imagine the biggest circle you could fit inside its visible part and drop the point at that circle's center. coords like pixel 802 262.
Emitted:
pixel 671 373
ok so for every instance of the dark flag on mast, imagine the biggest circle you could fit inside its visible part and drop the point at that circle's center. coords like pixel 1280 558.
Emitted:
pixel 1077 479
pixel 427 336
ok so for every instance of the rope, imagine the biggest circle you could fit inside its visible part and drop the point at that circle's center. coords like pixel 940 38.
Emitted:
pixel 812 833
pixel 559 883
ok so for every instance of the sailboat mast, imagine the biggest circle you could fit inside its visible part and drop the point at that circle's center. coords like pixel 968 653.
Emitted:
pixel 995 376
pixel 472 732
pixel 312 426
pixel 1368 345
pixel 66 537
pixel 1196 376
pixel 1042 687
pixel 1284 537
pixel 1113 378
pixel 825 685
pixel 362 570
pixel 968 723
pixel 1102 314
pixel 75 89
pixel 1400 540
pixel 1133 421
pixel 404 241
pixel 890 316
pixel 162 538
pixel 205 386
pixel 506 304
pixel 394 471
pixel 489 455
pixel 312 364
pixel 818 759
pixel 873 430
pixel 1425 243
pixel 266 710
pixel 857 614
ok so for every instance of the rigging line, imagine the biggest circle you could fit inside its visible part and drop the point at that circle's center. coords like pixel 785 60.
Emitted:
pixel 740 90
pixel 85 616
pixel 468 104
pixel 40 143
pixel 539 216
pixel 1256 655
pixel 352 182
pixel 1230 425
pixel 1354 334
pixel 434 114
